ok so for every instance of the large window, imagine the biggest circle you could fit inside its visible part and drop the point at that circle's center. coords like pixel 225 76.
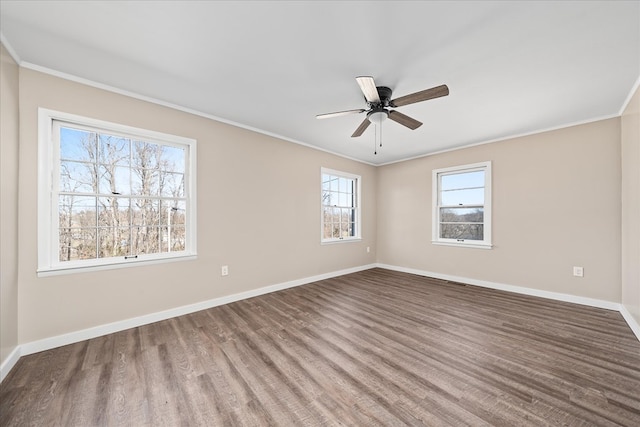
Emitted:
pixel 340 206
pixel 112 195
pixel 462 205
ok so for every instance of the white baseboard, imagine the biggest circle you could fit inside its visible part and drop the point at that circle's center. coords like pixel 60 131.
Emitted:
pixel 9 362
pixel 592 302
pixel 97 331
pixel 635 327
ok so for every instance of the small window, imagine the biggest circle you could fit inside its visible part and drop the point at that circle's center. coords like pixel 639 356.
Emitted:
pixel 112 195
pixel 462 205
pixel 340 206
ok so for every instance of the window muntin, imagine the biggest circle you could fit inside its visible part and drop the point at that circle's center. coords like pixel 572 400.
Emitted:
pixel 340 206
pixel 462 205
pixel 117 194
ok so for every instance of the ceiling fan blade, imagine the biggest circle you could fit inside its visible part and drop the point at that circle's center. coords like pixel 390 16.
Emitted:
pixel 423 95
pixel 404 120
pixel 368 87
pixel 363 126
pixel 339 113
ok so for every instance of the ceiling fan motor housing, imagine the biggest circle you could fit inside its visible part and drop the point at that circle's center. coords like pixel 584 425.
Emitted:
pixel 384 93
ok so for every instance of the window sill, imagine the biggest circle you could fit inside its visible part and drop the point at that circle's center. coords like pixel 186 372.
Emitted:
pixel 464 245
pixel 59 271
pixel 333 242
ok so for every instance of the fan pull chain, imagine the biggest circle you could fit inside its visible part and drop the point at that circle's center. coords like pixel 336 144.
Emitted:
pixel 375 137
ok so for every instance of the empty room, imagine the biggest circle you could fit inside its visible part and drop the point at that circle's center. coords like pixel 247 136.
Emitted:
pixel 357 213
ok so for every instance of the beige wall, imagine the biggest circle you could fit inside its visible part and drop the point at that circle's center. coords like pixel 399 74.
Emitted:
pixel 258 213
pixel 556 204
pixel 9 204
pixel 631 207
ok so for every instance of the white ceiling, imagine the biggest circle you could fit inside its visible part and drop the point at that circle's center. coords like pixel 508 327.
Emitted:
pixel 512 67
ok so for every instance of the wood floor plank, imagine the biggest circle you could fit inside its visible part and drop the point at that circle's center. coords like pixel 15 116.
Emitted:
pixel 374 348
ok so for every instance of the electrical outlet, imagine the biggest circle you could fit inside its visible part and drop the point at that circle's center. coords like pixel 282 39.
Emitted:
pixel 368 249
pixel 224 270
pixel 578 271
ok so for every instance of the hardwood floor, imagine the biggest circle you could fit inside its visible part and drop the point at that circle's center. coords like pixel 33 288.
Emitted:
pixel 370 348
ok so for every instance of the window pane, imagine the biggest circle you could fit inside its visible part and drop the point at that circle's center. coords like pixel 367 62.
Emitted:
pixel 77 177
pixel 342 185
pixel 326 230
pixel 345 215
pixel 337 213
pixel 326 214
pixel 463 197
pixel 172 212
pixel 462 231
pixel 145 212
pixel 77 211
pixel 144 155
pixel 77 144
pixel 113 150
pixel 113 242
pixel 173 238
pixel 462 180
pixel 77 244
pixel 172 159
pixel 171 184
pixel 326 198
pixel 335 230
pixel 145 182
pixel 123 180
pixel 114 180
pixel 164 239
pixel 344 230
pixel 113 212
pixel 146 240
pixel 461 215
pixel 334 183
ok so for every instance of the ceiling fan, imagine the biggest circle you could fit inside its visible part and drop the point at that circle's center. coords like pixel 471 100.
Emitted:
pixel 380 104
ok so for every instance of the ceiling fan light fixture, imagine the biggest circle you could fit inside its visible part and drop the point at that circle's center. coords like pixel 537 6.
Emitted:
pixel 378 116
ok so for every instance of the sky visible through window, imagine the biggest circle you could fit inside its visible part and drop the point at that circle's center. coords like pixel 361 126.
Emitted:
pixel 72 148
pixel 466 188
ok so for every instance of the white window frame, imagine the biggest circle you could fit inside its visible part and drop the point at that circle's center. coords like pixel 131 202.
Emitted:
pixel 436 181
pixel 48 216
pixel 358 223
